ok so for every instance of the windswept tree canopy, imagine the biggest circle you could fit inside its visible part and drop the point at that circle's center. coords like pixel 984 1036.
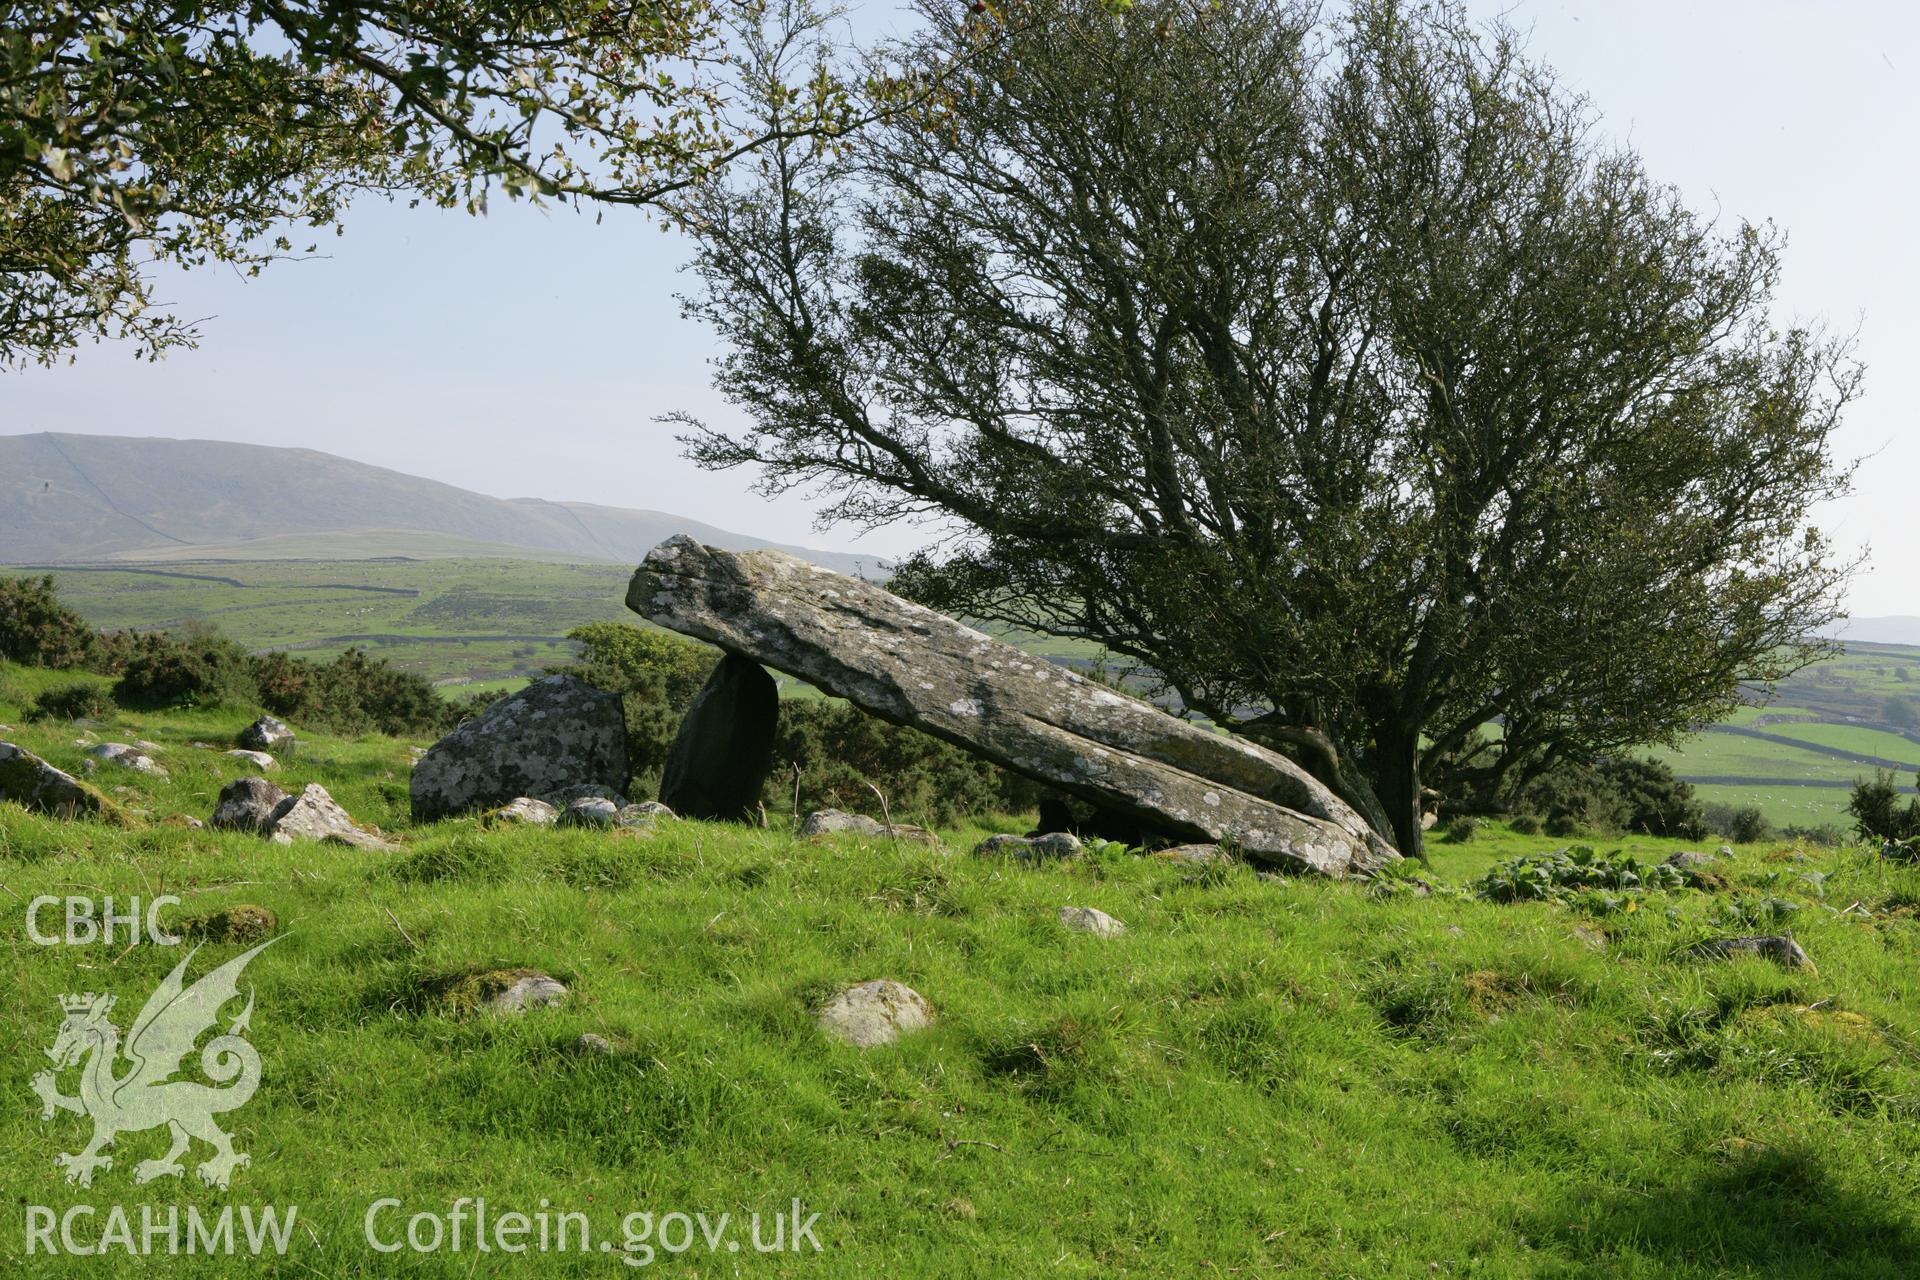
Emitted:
pixel 139 132
pixel 1329 366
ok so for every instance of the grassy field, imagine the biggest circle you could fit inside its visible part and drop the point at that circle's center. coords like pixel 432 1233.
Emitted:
pixel 1262 1077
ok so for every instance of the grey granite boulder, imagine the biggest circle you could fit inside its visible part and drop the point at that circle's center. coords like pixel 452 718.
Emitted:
pixel 247 804
pixel 258 759
pixel 558 733
pixel 315 815
pixel 912 666
pixel 267 734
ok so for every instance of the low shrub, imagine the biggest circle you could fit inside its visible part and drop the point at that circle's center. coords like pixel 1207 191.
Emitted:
pixel 1525 824
pixel 197 667
pixel 1462 829
pixel 80 701
pixel 1538 877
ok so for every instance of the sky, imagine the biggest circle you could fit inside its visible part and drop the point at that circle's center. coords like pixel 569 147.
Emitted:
pixel 527 353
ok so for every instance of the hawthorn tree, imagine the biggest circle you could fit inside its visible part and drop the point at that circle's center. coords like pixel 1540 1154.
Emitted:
pixel 1330 368
pixel 135 133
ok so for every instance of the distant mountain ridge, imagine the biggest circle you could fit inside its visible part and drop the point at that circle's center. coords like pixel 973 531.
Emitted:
pixel 79 498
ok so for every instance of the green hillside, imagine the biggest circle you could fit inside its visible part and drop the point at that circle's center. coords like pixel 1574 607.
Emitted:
pixel 1261 1077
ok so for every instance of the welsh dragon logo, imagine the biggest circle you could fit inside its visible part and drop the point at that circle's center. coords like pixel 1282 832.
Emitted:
pixel 145 1096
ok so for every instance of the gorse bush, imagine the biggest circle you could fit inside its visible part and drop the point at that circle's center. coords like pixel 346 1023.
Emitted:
pixel 194 668
pixel 80 701
pixel 1880 811
pixel 352 694
pixel 36 630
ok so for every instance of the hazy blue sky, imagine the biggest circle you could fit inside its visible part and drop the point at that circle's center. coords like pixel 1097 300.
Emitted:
pixel 525 354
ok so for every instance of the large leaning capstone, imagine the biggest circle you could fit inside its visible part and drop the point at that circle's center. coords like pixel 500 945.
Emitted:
pixel 557 733
pixel 910 665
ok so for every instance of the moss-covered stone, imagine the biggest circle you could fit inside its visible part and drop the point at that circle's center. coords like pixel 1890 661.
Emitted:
pixel 244 922
pixel 32 783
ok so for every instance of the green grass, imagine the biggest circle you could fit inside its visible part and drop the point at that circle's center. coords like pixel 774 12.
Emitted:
pixel 1291 1077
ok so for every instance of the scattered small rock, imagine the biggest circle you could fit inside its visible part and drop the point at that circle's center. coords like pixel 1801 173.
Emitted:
pixel 267 734
pixel 1688 859
pixel 874 1013
pixel 146 746
pixel 590 811
pixel 127 757
pixel 530 989
pixel 1055 845
pixel 1590 937
pixel 1781 950
pixel 314 815
pixel 1091 920
pixel 258 759
pixel 584 791
pixel 184 820
pixel 824 822
pixel 1726 851
pixel 247 804
pixel 639 817
pixel 524 809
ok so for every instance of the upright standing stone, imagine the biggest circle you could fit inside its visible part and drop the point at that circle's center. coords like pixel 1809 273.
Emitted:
pixel 724 750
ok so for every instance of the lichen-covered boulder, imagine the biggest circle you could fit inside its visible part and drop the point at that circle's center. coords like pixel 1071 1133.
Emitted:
pixel 258 759
pixel 912 666
pixel 555 734
pixel 1055 846
pixel 32 783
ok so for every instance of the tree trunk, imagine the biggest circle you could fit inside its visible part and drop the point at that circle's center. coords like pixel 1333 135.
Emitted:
pixel 1396 781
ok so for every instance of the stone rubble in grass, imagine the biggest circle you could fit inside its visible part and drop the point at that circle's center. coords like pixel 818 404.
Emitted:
pixel 529 990
pixel 315 815
pixel 526 810
pixel 1783 951
pixel 258 759
pixel 823 822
